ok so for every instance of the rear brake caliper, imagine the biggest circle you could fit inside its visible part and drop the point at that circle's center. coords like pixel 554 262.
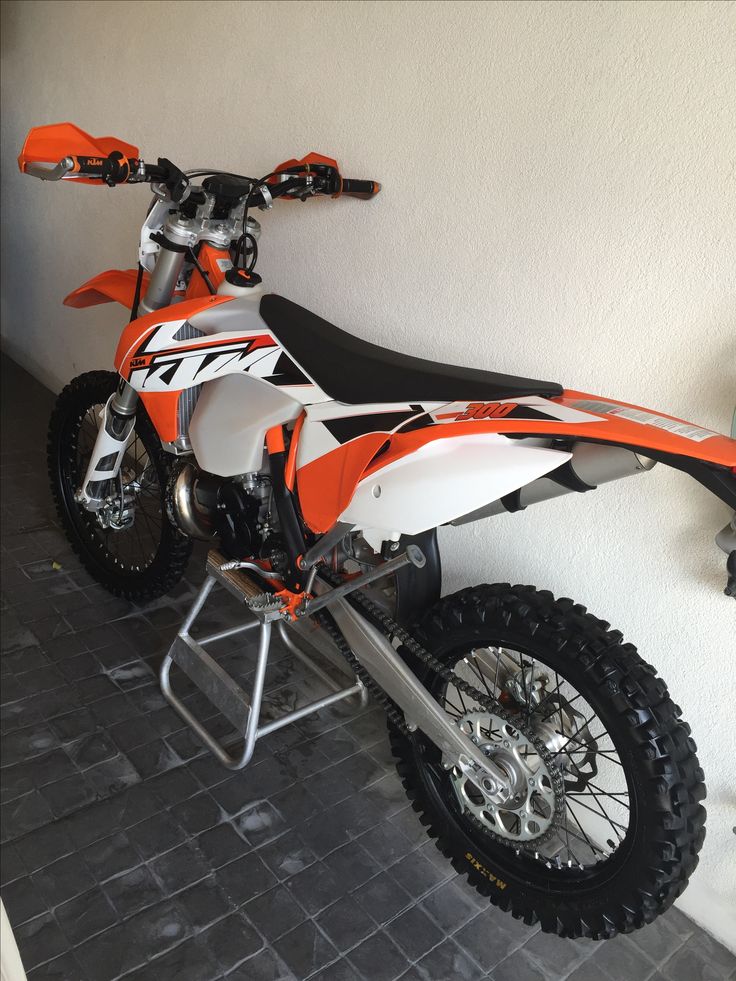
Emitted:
pixel 557 727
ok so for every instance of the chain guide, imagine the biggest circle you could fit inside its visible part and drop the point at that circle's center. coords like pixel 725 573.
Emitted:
pixel 394 631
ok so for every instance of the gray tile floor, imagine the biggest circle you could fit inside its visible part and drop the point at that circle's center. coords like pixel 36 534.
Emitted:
pixel 129 852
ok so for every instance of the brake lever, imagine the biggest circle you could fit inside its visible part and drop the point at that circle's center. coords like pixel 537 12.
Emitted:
pixel 320 179
pixel 303 188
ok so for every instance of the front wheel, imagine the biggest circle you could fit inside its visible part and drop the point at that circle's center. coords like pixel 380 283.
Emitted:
pixel 130 546
pixel 603 825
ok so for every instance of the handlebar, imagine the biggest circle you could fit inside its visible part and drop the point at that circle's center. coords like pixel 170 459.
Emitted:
pixel 295 179
pixel 113 169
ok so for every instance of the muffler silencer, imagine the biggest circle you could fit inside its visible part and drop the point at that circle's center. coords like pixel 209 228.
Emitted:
pixel 591 464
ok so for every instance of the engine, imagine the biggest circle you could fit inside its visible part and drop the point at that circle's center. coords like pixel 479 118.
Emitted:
pixel 238 511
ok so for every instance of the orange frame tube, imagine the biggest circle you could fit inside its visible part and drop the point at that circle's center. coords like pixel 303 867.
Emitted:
pixel 290 471
pixel 275 440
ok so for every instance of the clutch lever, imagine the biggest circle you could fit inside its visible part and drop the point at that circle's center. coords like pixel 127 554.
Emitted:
pixel 49 171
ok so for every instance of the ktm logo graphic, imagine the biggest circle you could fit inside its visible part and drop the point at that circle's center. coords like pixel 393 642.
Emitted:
pixel 137 362
pixel 486 410
pixel 94 161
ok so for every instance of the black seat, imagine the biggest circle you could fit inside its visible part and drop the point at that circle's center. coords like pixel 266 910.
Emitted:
pixel 355 371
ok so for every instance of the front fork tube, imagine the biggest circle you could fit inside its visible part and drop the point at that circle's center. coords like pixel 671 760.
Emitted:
pixel 163 279
pixel 117 421
pixel 118 416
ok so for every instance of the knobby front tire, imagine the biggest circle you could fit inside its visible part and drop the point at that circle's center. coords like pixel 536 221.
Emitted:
pixel 141 562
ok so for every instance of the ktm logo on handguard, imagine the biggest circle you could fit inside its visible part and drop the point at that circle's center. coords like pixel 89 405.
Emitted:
pixel 486 410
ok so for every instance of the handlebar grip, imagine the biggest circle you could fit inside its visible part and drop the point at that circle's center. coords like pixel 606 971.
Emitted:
pixel 88 166
pixel 365 190
pixel 113 169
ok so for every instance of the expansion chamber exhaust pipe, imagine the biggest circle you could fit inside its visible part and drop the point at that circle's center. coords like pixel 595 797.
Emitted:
pixel 591 464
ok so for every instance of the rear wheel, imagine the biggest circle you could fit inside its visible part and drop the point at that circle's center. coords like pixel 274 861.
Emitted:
pixel 130 547
pixel 604 825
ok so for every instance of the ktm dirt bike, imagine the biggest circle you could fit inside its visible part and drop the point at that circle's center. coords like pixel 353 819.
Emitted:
pixel 542 753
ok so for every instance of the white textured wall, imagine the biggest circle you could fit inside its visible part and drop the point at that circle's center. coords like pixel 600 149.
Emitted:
pixel 558 202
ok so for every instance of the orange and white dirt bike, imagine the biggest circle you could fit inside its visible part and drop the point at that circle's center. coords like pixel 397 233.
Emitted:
pixel 544 756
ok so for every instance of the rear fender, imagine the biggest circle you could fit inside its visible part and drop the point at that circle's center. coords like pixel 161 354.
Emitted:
pixel 579 416
pixel 116 285
pixel 707 456
pixel 329 474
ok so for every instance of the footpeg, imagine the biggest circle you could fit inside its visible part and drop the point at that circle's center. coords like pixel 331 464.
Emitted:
pixel 264 603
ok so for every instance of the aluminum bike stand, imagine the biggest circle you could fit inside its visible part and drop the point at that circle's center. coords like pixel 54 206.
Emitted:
pixel 239 708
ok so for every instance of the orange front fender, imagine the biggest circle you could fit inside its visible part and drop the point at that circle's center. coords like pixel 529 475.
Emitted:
pixel 114 284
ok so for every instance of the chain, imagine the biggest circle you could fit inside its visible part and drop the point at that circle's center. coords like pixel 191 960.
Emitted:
pixel 392 710
pixel 394 631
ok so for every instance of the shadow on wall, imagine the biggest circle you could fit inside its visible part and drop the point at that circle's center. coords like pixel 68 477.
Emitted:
pixel 708 512
pixel 54 237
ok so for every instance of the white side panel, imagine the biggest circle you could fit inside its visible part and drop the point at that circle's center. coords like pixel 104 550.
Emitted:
pixel 229 424
pixel 445 479
pixel 315 441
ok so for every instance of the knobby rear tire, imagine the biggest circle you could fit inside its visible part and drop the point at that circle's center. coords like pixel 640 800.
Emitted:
pixel 653 741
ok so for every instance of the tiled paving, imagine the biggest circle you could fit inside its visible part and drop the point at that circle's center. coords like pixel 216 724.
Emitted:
pixel 130 852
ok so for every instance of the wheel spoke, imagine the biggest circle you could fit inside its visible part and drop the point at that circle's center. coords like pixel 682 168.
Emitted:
pixel 565 710
pixel 613 794
pixel 529 694
pixel 458 712
pixel 482 678
pixel 587 747
pixel 590 844
pixel 610 820
pixel 549 695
